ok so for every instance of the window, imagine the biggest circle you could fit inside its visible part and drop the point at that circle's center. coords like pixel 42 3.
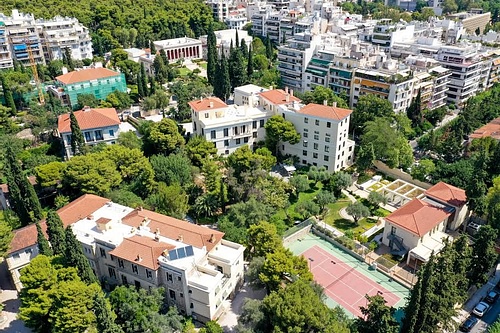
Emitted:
pixel 137 284
pixel 212 134
pixel 98 135
pixel 254 135
pixel 315 155
pixel 134 269
pixel 171 294
pixel 149 274
pixel 190 291
pixel 112 257
pixel 238 141
pixel 261 123
pixel 120 263
pixel 111 133
pixel 327 158
pixel 103 252
pixel 226 131
pixel 305 135
pixel 16 256
pixel 327 149
pixel 304 153
pixel 304 144
pixel 206 114
pixel 112 272
pixel 328 124
pixel 169 277
pixel 219 268
pixel 191 306
pixel 124 279
pixel 88 137
pixel 226 143
pixel 306 120
pixel 315 146
pixel 181 295
pixel 350 148
pixel 245 139
pixel 254 124
pixel 316 122
pixel 179 278
pixel 316 137
pixel 235 130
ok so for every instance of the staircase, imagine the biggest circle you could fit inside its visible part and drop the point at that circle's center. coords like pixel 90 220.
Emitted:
pixel 398 248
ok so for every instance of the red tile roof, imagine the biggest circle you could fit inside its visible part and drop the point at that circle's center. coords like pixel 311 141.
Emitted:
pixel 173 228
pixel 491 129
pixel 278 97
pixel 208 103
pixel 86 75
pixel 447 193
pixel 142 251
pixel 324 111
pixel 69 214
pixel 5 187
pixel 418 217
pixel 89 119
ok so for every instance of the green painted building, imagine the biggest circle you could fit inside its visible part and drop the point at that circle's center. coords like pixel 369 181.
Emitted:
pixel 99 82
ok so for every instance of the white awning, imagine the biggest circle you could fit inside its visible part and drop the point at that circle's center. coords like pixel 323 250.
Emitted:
pixel 434 243
pixel 289 168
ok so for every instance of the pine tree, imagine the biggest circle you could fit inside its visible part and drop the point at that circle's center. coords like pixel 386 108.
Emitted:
pixel 105 316
pixel 76 258
pixel 144 80
pixel 55 230
pixel 237 39
pixel 43 243
pixel 22 193
pixel 244 48
pixel 250 63
pixel 7 95
pixel 211 57
pixel 269 49
pixel 77 140
pixel 152 86
pixel 140 90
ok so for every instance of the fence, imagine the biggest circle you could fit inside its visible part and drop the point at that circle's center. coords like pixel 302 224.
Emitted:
pixel 297 231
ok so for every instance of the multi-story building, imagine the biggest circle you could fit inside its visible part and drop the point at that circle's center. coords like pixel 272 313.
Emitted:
pixel 294 58
pixel 180 48
pixel 226 38
pixel 97 126
pixel 61 33
pixel 197 267
pixel 385 34
pixel 5 56
pixel 220 8
pixel 99 82
pixel 323 129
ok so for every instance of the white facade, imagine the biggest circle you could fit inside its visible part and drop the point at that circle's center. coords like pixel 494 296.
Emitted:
pixel 60 33
pixel 180 48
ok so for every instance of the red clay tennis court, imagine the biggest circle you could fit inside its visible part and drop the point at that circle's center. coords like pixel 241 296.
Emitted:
pixel 342 282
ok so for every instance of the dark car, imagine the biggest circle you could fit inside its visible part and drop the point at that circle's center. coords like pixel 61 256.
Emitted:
pixel 468 324
pixel 491 297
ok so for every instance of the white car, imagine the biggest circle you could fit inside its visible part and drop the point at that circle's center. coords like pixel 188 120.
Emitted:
pixel 480 309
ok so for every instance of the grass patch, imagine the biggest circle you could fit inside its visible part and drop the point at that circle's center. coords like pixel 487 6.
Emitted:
pixel 203 65
pixel 333 211
pixel 183 71
pixel 309 195
pixel 359 228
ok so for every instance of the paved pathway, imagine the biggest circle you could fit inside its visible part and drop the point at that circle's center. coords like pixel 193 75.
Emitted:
pixel 9 298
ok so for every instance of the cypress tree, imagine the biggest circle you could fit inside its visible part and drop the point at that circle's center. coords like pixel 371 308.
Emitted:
pixel 144 81
pixel 76 258
pixel 269 49
pixel 250 63
pixel 152 48
pixel 223 85
pixel 69 59
pixel 55 230
pixel 237 39
pixel 159 67
pixel 43 243
pixel 211 57
pixel 414 111
pixel 26 203
pixel 244 48
pixel 77 140
pixel 140 90
pixel 105 316
pixel 237 71
pixel 152 86
pixel 7 95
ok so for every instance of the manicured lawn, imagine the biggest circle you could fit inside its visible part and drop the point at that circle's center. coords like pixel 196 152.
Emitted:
pixel 305 196
pixel 183 71
pixel 333 210
pixel 203 65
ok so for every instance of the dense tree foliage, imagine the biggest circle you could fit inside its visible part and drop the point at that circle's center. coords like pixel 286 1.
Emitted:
pixel 75 257
pixel 279 130
pixel 378 317
pixel 5 237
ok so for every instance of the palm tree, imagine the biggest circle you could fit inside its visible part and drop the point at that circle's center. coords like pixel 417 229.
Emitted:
pixel 206 205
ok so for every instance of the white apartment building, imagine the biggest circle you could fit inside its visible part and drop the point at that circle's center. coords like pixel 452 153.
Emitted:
pixel 60 33
pixel 237 21
pixel 220 8
pixel 196 266
pixel 230 127
pixel 294 58
pixel 386 34
pixel 324 135
pixel 5 56
pixel 465 65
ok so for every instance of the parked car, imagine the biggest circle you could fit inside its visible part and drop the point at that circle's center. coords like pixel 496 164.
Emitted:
pixel 468 324
pixel 480 309
pixel 491 297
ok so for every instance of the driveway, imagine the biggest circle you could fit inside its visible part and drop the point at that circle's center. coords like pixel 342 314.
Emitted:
pixel 229 319
pixel 8 297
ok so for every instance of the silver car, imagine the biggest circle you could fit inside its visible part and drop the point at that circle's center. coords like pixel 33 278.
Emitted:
pixel 480 309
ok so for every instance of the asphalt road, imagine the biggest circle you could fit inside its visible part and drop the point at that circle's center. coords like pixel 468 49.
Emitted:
pixel 489 318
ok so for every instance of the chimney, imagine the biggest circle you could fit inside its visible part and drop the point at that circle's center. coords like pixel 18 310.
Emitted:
pixel 86 108
pixel 287 97
pixel 211 105
pixel 334 104
pixel 212 238
pixel 139 208
pixel 90 217
pixel 180 238
pixel 325 102
pixel 139 258
pixel 270 87
pixel 286 90
pixel 157 234
pixel 291 92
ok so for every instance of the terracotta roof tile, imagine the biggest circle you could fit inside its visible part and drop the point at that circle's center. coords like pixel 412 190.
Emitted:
pixel 491 129
pixel 324 111
pixel 208 103
pixel 278 97
pixel 418 216
pixel 173 228
pixel 5 187
pixel 142 251
pixel 69 214
pixel 448 193
pixel 89 119
pixel 86 75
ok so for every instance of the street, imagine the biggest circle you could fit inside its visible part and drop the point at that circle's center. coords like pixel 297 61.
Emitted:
pixel 489 318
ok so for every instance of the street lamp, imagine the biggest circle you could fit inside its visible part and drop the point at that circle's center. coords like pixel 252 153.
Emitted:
pixel 310 262
pixel 333 262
